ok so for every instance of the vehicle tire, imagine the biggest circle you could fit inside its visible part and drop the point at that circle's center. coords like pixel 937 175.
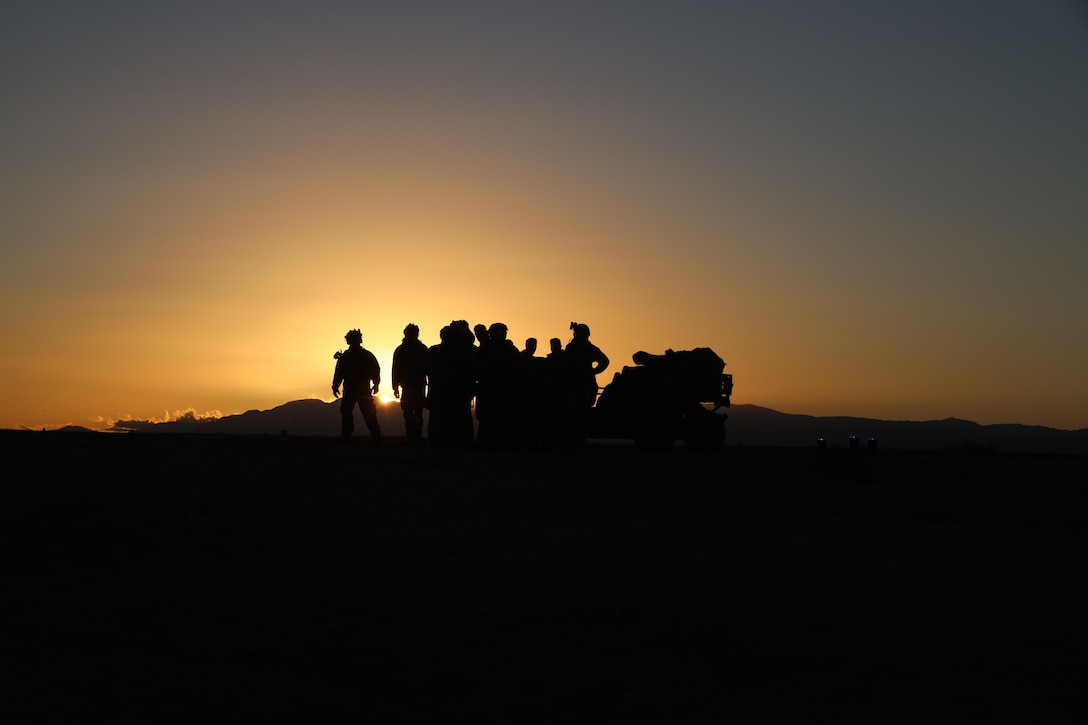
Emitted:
pixel 705 433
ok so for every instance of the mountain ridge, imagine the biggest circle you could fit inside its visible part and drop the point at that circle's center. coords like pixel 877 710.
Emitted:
pixel 756 425
pixel 749 425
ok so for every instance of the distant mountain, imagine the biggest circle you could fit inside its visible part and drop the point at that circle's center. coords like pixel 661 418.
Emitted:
pixel 748 425
pixel 752 425
pixel 310 417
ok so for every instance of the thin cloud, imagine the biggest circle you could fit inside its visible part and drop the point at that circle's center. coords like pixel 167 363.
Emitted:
pixel 127 422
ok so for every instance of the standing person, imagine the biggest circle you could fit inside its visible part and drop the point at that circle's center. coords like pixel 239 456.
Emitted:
pixel 529 408
pixel 583 361
pixel 410 382
pixel 497 387
pixel 451 383
pixel 554 415
pixel 468 362
pixel 358 370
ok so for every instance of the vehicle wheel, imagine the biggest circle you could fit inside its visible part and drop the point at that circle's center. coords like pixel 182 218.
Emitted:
pixel 705 434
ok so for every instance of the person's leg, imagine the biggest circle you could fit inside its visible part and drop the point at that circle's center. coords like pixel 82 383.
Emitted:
pixel 370 415
pixel 347 412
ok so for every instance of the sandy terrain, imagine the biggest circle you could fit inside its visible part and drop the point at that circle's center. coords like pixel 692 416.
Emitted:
pixel 186 577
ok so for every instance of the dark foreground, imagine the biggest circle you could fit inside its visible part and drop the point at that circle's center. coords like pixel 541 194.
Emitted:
pixel 185 578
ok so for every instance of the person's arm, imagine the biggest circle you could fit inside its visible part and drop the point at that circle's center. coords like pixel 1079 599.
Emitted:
pixel 396 368
pixel 601 361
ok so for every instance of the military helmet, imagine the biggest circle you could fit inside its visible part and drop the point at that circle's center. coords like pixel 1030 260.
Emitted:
pixel 353 336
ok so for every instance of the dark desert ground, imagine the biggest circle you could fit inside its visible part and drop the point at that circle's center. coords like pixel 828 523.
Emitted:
pixel 156 577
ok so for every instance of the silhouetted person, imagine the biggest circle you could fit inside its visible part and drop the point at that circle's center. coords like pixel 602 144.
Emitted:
pixel 483 384
pixel 497 391
pixel 410 382
pixel 358 370
pixel 469 370
pixel 451 381
pixel 482 335
pixel 529 408
pixel 583 361
pixel 553 410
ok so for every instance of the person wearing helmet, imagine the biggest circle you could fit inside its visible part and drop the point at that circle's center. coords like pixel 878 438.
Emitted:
pixel 358 370
pixel 410 382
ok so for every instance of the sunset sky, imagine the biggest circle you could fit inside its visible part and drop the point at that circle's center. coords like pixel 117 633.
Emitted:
pixel 871 208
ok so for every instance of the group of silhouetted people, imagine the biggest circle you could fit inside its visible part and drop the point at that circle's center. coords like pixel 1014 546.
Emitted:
pixel 521 400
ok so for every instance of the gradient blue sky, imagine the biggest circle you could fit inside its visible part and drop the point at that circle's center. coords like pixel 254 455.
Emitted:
pixel 866 208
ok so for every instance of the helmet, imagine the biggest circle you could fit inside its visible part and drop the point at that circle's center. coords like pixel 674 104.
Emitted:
pixel 353 336
pixel 412 330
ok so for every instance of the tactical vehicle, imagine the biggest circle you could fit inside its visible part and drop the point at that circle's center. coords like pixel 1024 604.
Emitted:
pixel 666 397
